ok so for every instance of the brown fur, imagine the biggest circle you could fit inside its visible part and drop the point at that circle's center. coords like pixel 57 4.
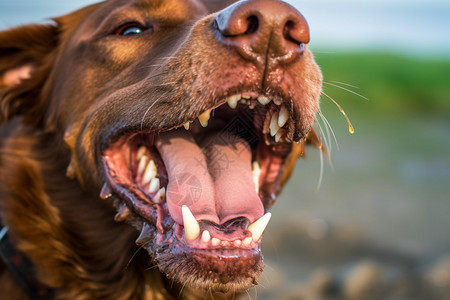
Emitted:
pixel 54 119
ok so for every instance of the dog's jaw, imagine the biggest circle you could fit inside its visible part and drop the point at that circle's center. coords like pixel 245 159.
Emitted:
pixel 162 176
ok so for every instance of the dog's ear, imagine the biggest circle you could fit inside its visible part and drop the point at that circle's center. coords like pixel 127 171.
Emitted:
pixel 25 63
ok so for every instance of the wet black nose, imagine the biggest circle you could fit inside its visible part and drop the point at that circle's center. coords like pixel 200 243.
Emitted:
pixel 263 27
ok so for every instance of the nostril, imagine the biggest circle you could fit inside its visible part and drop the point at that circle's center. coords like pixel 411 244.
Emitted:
pixel 287 30
pixel 253 24
pixel 296 31
pixel 234 27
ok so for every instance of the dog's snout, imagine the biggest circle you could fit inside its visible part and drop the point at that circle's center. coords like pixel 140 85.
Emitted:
pixel 260 27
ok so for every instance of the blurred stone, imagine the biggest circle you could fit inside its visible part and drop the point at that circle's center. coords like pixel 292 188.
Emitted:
pixel 438 278
pixel 317 229
pixel 320 282
pixel 364 281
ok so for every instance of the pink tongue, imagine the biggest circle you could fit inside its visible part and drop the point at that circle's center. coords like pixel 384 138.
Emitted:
pixel 214 180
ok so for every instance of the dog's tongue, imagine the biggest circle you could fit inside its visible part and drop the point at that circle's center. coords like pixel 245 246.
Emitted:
pixel 213 178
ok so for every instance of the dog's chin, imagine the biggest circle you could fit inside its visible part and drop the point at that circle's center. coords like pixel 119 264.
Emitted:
pixel 218 269
pixel 198 193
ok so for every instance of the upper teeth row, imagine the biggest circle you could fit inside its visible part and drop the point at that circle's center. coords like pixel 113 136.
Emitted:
pixel 278 120
pixel 192 230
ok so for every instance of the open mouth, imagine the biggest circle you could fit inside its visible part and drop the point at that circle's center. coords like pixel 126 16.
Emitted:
pixel 203 187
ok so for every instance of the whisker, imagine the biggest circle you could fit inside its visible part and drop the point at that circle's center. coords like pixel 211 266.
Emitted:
pixel 135 253
pixel 248 294
pixel 350 126
pixel 181 290
pixel 327 139
pixel 164 84
pixel 319 183
pixel 148 109
pixel 348 90
pixel 151 268
pixel 343 83
pixel 331 128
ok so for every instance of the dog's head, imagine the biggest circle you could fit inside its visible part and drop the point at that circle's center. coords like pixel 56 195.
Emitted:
pixel 187 116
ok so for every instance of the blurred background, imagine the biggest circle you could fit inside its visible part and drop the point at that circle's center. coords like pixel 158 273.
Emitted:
pixel 374 221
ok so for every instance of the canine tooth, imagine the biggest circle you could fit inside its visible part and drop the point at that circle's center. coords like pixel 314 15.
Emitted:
pixel 274 124
pixel 215 242
pixel 140 152
pixel 150 172
pixel 191 226
pixel 154 185
pixel 256 171
pixel 247 241
pixel 186 125
pixel 277 101
pixel 206 237
pixel 160 195
pixel 263 100
pixel 278 136
pixel 145 235
pixel 233 100
pixel 283 116
pixel 122 214
pixel 105 193
pixel 142 164
pixel 204 118
pixel 257 228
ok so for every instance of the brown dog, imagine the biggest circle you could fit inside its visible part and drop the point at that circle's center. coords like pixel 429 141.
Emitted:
pixel 168 125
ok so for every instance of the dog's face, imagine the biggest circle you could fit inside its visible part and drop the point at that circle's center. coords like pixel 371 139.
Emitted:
pixel 187 116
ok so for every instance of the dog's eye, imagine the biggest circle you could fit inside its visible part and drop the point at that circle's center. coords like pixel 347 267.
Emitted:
pixel 130 29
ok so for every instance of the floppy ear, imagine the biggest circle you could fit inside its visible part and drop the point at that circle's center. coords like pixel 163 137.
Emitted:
pixel 25 63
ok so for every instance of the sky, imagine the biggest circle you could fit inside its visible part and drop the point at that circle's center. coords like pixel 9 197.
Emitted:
pixel 414 27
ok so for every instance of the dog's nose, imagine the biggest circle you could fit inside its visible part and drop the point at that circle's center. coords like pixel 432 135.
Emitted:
pixel 260 28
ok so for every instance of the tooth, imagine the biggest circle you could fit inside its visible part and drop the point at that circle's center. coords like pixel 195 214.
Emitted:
pixel 154 185
pixel 150 173
pixel 257 227
pixel 145 235
pixel 204 118
pixel 246 96
pixel 206 237
pixel 283 116
pixel 122 214
pixel 274 124
pixel 191 226
pixel 278 136
pixel 105 193
pixel 237 243
pixel 277 101
pixel 233 100
pixel 142 164
pixel 215 242
pixel 186 125
pixel 140 152
pixel 256 171
pixel 263 100
pixel 160 196
pixel 247 241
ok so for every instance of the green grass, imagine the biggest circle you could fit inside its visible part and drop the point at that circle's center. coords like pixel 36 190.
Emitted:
pixel 394 84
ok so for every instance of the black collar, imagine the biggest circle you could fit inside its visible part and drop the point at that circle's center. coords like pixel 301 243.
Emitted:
pixel 21 267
